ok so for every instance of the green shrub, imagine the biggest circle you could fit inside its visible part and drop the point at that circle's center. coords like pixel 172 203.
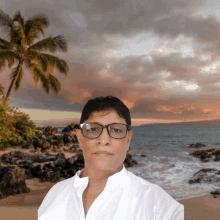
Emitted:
pixel 15 127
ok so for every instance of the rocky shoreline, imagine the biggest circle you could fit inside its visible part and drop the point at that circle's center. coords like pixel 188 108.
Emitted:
pixel 44 157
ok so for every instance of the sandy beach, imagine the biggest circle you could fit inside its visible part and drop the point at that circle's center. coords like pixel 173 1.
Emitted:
pixel 25 206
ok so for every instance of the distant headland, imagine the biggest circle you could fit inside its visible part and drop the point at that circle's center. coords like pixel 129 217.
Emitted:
pixel 213 122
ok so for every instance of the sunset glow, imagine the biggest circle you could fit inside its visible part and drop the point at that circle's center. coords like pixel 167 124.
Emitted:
pixel 163 64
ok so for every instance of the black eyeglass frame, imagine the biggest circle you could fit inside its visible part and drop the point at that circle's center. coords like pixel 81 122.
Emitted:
pixel 104 126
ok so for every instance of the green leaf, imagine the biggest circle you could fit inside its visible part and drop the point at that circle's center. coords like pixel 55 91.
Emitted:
pixel 34 27
pixel 51 44
pixel 55 84
pixel 5 21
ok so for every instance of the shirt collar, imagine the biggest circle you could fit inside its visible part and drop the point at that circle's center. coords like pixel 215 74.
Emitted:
pixel 114 180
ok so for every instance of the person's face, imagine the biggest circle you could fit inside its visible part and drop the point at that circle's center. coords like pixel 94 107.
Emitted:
pixel 117 147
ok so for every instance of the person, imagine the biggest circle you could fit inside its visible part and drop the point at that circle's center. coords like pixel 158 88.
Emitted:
pixel 104 189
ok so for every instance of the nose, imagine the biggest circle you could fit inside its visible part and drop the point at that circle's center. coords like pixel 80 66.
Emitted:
pixel 104 136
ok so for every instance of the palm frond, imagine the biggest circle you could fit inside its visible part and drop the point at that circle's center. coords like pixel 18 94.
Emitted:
pixel 51 44
pixel 13 73
pixel 18 36
pixel 34 70
pixel 38 74
pixel 19 19
pixel 2 63
pixel 55 84
pixel 5 21
pixel 38 58
pixel 44 80
pixel 2 88
pixel 60 64
pixel 11 61
pixel 35 26
pixel 7 55
pixel 35 73
pixel 18 81
pixel 4 44
pixel 3 47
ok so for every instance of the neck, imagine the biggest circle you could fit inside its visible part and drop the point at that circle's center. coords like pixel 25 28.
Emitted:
pixel 98 178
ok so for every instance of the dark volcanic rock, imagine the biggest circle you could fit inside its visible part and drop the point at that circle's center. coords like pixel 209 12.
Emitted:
pixel 27 146
pixel 42 163
pixel 129 162
pixel 215 193
pixel 70 128
pixel 67 138
pixel 204 154
pixel 197 145
pixel 205 176
pixel 12 181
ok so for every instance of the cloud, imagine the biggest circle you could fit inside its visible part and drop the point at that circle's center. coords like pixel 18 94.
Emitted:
pixel 166 83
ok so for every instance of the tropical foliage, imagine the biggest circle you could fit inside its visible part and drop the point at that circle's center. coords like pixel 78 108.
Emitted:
pixel 20 50
pixel 15 127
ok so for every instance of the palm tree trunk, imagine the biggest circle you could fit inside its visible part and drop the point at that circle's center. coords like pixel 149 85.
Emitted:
pixel 10 89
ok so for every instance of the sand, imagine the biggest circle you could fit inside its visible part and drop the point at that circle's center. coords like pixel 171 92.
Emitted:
pixel 24 206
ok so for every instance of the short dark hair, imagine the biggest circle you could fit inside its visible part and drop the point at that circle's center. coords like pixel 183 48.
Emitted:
pixel 104 104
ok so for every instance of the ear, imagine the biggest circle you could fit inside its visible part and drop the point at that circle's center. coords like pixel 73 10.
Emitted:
pixel 130 134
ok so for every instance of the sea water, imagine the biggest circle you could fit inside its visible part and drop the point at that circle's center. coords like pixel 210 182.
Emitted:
pixel 168 163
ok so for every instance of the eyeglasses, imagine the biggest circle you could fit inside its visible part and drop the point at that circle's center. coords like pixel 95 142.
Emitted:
pixel 94 130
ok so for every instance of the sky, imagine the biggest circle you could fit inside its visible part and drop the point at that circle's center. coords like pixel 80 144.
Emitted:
pixel 160 57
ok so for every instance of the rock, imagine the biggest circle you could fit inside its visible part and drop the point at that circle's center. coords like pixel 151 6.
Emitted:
pixel 26 146
pixel 204 154
pixel 36 142
pixel 67 138
pixel 217 158
pixel 46 165
pixel 129 162
pixel 197 145
pixel 70 128
pixel 142 155
pixel 54 130
pixel 48 129
pixel 61 143
pixel 215 193
pixel 216 152
pixel 205 176
pixel 39 132
pixel 61 162
pixel 12 181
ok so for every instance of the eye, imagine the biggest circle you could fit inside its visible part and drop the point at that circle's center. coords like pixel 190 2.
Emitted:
pixel 116 130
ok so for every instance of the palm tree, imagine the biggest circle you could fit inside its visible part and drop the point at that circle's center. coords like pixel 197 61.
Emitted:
pixel 2 90
pixel 20 49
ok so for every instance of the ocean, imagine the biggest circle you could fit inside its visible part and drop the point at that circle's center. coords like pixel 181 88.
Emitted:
pixel 168 163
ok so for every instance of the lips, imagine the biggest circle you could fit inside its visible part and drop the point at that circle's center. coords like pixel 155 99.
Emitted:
pixel 103 152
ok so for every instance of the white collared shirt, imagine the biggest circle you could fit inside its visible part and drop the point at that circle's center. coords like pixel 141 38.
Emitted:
pixel 125 197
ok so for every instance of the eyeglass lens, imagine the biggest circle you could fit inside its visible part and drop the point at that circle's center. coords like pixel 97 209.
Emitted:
pixel 92 130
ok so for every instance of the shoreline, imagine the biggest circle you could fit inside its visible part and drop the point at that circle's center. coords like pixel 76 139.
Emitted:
pixel 25 206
